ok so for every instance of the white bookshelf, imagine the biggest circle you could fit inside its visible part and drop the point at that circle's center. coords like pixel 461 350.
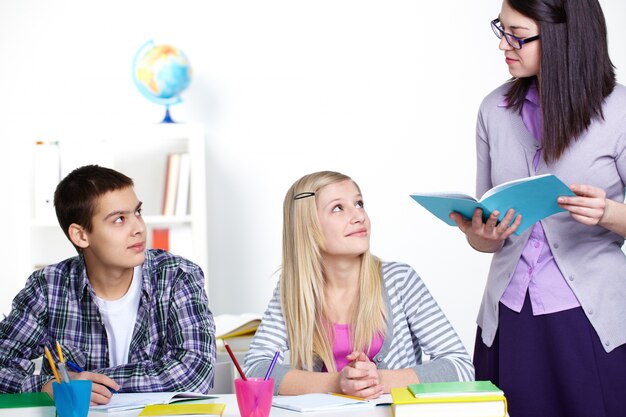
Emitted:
pixel 141 153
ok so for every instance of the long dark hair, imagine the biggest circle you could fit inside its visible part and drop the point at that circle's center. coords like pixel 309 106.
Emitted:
pixel 576 71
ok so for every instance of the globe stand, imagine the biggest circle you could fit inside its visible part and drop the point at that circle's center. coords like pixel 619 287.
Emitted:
pixel 167 118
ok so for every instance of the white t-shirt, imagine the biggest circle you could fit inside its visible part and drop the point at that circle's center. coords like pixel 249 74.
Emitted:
pixel 119 317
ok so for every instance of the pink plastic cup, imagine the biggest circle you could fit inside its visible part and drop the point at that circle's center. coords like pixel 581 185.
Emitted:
pixel 254 396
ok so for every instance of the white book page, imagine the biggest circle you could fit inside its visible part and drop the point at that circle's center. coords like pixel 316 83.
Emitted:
pixel 129 401
pixel 454 194
pixel 508 184
pixel 227 323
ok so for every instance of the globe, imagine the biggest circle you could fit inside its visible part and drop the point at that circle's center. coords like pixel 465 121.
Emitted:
pixel 161 73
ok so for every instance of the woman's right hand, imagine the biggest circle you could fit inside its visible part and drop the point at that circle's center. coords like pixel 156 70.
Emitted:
pixel 490 235
pixel 360 378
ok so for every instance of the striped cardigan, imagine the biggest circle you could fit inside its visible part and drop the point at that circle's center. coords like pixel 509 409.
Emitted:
pixel 415 325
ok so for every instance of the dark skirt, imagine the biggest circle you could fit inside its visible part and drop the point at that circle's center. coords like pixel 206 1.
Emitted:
pixel 553 365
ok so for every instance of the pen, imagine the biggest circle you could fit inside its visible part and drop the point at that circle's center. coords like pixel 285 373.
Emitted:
pixel 52 366
pixel 271 368
pixel 74 367
pixel 232 356
pixel 63 371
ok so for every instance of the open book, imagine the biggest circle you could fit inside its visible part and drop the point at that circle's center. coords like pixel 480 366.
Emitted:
pixel 533 197
pixel 129 401
pixel 320 402
pixel 231 325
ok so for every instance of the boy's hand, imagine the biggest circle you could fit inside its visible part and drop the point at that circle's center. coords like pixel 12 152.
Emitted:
pixel 101 386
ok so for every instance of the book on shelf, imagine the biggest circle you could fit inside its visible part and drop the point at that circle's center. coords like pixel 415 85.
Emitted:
pixel 177 239
pixel 193 409
pixel 177 183
pixel 172 170
pixel 161 238
pixel 27 404
pixel 182 191
pixel 131 401
pixel 533 197
pixel 440 399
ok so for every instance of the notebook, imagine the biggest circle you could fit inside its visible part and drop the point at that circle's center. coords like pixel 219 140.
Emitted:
pixel 129 401
pixel 325 402
pixel 27 404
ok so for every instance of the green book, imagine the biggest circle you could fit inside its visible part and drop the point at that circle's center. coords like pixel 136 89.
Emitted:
pixel 455 389
pixel 533 197
pixel 31 404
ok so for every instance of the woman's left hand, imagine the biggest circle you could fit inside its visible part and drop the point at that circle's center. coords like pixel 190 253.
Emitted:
pixel 588 206
pixel 360 377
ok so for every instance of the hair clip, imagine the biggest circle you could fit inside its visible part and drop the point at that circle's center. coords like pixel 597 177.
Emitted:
pixel 304 195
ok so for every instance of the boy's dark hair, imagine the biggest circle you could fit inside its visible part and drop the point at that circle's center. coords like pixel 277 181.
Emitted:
pixel 76 194
pixel 576 71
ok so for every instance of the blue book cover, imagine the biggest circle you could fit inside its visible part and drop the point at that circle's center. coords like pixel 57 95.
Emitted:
pixel 533 197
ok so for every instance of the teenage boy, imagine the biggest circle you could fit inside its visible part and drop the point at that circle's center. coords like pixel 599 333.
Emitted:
pixel 135 320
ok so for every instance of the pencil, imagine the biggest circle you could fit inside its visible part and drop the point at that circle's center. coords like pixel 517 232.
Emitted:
pixel 348 396
pixel 60 352
pixel 232 356
pixel 271 368
pixel 63 371
pixel 52 365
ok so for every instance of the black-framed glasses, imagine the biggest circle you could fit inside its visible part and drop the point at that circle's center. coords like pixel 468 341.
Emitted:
pixel 512 40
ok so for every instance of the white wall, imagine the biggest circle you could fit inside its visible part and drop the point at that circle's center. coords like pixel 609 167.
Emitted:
pixel 385 91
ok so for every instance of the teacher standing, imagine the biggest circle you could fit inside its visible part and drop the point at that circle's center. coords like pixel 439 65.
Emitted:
pixel 552 323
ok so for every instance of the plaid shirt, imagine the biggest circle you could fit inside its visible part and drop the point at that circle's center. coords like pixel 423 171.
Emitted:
pixel 173 343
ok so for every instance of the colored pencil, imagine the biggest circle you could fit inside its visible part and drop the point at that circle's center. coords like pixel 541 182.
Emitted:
pixel 271 368
pixel 232 356
pixel 52 365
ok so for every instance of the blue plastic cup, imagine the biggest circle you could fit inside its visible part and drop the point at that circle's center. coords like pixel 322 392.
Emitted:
pixel 72 398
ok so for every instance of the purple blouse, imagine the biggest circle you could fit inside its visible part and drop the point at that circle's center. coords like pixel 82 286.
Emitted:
pixel 537 270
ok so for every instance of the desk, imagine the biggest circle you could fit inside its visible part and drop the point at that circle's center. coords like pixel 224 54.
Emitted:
pixel 233 411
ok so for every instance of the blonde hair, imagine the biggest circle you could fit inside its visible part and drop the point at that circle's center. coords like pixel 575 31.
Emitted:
pixel 302 281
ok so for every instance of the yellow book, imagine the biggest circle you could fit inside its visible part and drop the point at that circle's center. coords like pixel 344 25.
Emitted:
pixel 183 410
pixel 232 325
pixel 406 404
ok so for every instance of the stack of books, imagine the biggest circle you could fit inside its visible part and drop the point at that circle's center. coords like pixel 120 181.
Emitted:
pixel 444 399
pixel 177 182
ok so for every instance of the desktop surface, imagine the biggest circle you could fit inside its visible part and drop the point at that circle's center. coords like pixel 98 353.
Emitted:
pixel 233 411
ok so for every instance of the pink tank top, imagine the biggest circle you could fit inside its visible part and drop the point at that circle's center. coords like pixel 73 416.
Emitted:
pixel 342 346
